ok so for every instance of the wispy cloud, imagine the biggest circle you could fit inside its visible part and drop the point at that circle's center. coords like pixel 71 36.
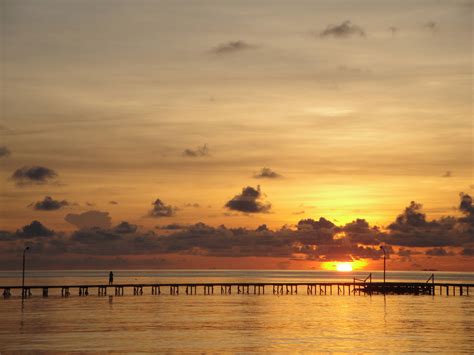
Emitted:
pixel 233 47
pixel 344 30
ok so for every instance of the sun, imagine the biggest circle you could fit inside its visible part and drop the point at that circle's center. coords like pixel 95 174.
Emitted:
pixel 344 267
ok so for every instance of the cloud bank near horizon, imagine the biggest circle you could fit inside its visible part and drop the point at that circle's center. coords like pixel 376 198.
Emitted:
pixel 314 240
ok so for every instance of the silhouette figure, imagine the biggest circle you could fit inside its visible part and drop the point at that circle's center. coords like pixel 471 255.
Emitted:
pixel 111 278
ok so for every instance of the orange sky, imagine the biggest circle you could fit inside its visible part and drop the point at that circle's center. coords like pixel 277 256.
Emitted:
pixel 333 110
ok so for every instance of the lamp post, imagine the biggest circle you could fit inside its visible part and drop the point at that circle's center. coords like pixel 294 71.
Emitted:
pixel 384 266
pixel 23 274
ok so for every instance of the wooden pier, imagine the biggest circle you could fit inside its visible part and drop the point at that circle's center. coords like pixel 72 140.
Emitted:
pixel 356 287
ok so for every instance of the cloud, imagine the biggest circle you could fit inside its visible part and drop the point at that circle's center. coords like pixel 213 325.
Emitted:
pixel 33 230
pixel 437 252
pixel 344 30
pixel 267 173
pixel 90 219
pixel 412 229
pixel 233 47
pixel 447 174
pixel 296 213
pixel 432 26
pixel 4 152
pixel 48 204
pixel 360 232
pixel 467 208
pixel 249 201
pixel 125 228
pixel 312 239
pixel 193 205
pixel 162 210
pixel 33 175
pixel 172 226
pixel 113 202
pixel 198 152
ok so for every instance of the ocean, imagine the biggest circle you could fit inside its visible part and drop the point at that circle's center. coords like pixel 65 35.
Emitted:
pixel 233 323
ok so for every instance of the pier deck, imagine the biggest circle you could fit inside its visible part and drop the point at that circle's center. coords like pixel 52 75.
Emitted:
pixel 227 288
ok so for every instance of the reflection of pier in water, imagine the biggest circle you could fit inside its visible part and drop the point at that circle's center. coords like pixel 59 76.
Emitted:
pixel 356 287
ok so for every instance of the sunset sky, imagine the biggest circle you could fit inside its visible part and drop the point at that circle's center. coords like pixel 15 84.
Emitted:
pixel 133 131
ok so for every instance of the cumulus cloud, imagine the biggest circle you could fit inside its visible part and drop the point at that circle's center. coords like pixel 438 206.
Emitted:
pixel 359 231
pixel 33 230
pixel 249 201
pixel 233 47
pixel 160 209
pixel 412 229
pixel 90 219
pixel 33 175
pixel 125 228
pixel 198 152
pixel 267 173
pixel 4 152
pixel 344 30
pixel 49 204
pixel 467 208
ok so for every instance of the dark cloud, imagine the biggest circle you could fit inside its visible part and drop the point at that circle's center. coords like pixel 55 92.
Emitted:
pixel 33 175
pixel 344 30
pixel 412 229
pixel 48 204
pixel 249 201
pixel 4 152
pixel 172 226
pixel 33 230
pixel 322 223
pixel 467 208
pixel 90 219
pixel 162 210
pixel 267 173
pixel 233 47
pixel 447 174
pixel 437 252
pixel 466 205
pixel 125 227
pixel 359 231
pixel 198 152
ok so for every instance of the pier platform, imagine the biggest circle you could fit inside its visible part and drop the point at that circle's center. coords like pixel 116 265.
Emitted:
pixel 356 287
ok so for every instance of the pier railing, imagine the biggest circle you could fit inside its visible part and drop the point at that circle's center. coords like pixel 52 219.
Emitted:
pixel 357 286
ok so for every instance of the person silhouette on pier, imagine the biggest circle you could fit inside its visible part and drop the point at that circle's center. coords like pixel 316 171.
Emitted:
pixel 111 278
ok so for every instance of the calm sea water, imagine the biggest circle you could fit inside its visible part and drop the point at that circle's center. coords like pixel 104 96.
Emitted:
pixel 234 323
